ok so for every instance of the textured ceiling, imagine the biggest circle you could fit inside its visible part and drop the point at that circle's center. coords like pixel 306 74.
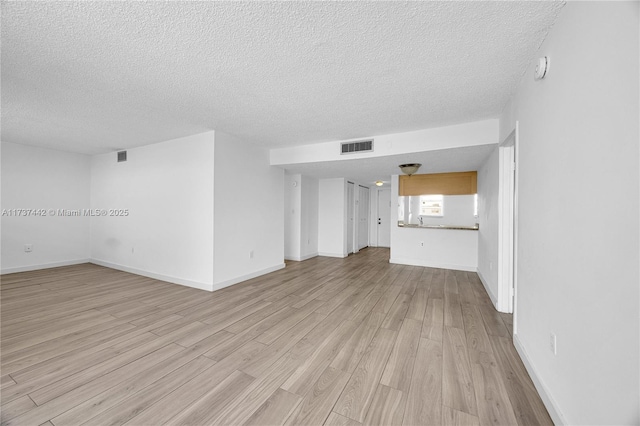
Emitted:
pixel 96 76
pixel 370 170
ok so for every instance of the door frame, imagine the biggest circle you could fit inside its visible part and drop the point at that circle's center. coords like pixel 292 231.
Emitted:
pixel 363 205
pixel 508 223
pixel 351 206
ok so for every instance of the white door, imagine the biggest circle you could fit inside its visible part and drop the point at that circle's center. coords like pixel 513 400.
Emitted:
pixel 350 213
pixel 384 218
pixel 363 217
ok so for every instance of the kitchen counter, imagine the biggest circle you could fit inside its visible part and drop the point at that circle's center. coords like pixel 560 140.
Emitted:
pixel 463 228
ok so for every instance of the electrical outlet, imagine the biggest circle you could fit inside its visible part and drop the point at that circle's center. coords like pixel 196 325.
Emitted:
pixel 552 344
pixel 28 248
pixel 251 254
pixel 421 243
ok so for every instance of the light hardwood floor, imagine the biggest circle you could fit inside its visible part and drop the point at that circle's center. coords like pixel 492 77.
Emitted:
pixel 325 341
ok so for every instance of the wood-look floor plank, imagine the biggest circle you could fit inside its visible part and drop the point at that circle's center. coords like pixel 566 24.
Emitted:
pixel 237 340
pixel 399 369
pixel 130 387
pixel 397 312
pixel 312 365
pixel 277 349
pixel 424 400
pixel 527 406
pixel 336 419
pixel 418 304
pixel 453 311
pixel 491 395
pixel 259 316
pixel 387 407
pixel 387 299
pixel 477 338
pixel 453 417
pixel 433 324
pixel 6 381
pixel 359 391
pixel 136 349
pixel 380 344
pixel 319 401
pixel 16 407
pixel 492 321
pixel 294 317
pixel 80 394
pixel 354 349
pixel 436 290
pixel 275 410
pixel 255 394
pixel 131 406
pixel 457 383
pixel 211 403
pixel 212 381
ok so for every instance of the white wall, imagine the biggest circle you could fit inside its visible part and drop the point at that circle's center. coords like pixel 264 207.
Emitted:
pixel 168 189
pixel 442 248
pixel 488 222
pixel 332 226
pixel 309 218
pixel 578 251
pixel 38 178
pixel 292 215
pixel 459 135
pixel 249 212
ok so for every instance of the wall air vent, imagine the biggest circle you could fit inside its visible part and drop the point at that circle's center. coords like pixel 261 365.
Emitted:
pixel 359 146
pixel 122 156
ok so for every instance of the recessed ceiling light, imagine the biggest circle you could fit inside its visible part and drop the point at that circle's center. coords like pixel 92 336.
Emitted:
pixel 379 183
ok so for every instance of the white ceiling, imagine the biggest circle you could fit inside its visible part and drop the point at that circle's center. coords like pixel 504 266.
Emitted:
pixel 92 77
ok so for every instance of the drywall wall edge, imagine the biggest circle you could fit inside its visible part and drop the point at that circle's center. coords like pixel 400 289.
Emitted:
pixel 414 262
pixel 340 255
pixel 161 277
pixel 236 280
pixel 301 258
pixel 28 268
pixel 547 399
pixel 492 296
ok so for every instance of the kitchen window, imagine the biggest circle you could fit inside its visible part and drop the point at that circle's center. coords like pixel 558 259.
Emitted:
pixel 432 205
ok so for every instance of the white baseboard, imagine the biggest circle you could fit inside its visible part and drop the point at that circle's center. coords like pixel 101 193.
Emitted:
pixel 340 255
pixel 547 399
pixel 236 280
pixel 429 264
pixel 161 277
pixel 493 297
pixel 301 258
pixel 28 268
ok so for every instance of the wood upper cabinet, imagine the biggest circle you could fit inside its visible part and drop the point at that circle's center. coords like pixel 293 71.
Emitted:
pixel 460 183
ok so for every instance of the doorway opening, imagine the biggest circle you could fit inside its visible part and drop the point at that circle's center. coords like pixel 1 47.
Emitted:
pixel 507 223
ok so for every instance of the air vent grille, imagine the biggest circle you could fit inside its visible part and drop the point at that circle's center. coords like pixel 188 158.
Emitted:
pixel 353 147
pixel 122 156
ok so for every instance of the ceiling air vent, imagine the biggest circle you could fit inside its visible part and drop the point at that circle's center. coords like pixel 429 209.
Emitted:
pixel 353 147
pixel 122 156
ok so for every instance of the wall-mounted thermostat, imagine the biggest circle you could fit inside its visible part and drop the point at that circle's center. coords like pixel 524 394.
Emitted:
pixel 542 67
